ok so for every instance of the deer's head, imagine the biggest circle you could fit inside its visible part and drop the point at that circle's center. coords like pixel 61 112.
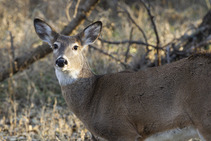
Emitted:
pixel 67 50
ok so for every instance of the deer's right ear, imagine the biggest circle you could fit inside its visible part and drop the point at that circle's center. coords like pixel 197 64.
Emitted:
pixel 44 31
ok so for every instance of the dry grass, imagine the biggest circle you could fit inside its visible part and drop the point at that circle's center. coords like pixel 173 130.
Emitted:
pixel 31 105
pixel 43 122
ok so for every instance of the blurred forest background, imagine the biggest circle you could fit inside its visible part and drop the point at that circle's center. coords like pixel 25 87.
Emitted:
pixel 136 35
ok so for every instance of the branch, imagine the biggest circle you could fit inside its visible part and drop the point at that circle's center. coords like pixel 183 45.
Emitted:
pixel 109 55
pixel 80 17
pixel 203 43
pixel 154 28
pixel 41 51
pixel 67 10
pixel 128 47
pixel 139 28
pixel 76 8
pixel 12 49
pixel 178 42
pixel 128 41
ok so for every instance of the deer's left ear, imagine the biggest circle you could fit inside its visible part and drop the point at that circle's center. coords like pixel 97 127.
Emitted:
pixel 90 33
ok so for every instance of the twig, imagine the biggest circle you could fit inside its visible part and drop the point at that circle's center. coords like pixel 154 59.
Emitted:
pixel 154 28
pixel 128 41
pixel 178 42
pixel 208 4
pixel 81 16
pixel 128 47
pixel 170 43
pixel 139 64
pixel 203 43
pixel 76 8
pixel 67 10
pixel 109 55
pixel 12 52
pixel 139 28
pixel 168 54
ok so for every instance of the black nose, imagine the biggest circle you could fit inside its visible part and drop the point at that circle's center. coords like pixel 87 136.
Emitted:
pixel 61 62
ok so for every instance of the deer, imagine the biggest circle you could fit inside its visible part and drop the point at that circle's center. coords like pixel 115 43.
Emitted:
pixel 131 106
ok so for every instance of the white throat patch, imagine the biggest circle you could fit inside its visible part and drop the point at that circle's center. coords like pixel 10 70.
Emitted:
pixel 66 78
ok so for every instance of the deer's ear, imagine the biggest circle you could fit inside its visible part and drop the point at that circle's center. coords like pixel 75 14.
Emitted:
pixel 44 31
pixel 90 33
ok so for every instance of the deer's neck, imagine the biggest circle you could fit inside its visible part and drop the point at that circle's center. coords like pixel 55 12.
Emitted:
pixel 79 92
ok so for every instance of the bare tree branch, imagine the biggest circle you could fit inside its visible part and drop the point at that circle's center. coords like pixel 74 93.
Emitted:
pixel 128 41
pixel 12 49
pixel 203 43
pixel 20 63
pixel 76 8
pixel 128 47
pixel 80 17
pixel 67 10
pixel 109 55
pixel 139 28
pixel 154 28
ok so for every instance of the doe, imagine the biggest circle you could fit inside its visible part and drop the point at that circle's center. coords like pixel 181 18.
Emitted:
pixel 131 106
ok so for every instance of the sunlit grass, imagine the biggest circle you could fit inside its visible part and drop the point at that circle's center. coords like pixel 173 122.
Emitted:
pixel 42 122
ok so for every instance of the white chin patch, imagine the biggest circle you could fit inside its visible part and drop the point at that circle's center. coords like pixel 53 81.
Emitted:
pixel 63 69
pixel 65 77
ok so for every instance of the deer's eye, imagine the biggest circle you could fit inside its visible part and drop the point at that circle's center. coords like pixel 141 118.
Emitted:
pixel 75 47
pixel 55 46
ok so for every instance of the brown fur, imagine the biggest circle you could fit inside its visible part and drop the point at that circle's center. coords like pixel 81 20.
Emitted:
pixel 130 106
pixel 123 106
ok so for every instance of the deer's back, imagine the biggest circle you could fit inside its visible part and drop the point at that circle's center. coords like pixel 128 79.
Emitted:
pixel 165 92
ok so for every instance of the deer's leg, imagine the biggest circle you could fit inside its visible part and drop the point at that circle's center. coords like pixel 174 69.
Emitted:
pixel 93 138
pixel 204 135
pixel 204 129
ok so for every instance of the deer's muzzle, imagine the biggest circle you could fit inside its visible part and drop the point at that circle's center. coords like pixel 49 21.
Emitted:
pixel 61 62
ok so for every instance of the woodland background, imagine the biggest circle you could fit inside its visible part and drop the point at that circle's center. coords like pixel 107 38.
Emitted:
pixel 136 35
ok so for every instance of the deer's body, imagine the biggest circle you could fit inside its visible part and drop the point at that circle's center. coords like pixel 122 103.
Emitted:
pixel 139 104
pixel 130 106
